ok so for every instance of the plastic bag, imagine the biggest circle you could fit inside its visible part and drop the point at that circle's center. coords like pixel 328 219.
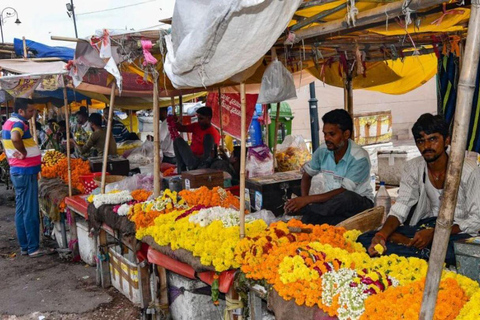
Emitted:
pixel 259 161
pixel 277 84
pixel 143 155
pixel 138 181
pixel 292 153
pixel 265 215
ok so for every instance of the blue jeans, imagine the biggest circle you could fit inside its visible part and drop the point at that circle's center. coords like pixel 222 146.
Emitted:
pixel 409 231
pixel 27 220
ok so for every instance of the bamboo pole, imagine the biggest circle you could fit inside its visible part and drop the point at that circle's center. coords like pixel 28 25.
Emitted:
pixel 243 158
pixel 222 144
pixel 466 87
pixel 25 53
pixel 131 120
pixel 67 122
pixel 156 139
pixel 109 134
pixel 364 18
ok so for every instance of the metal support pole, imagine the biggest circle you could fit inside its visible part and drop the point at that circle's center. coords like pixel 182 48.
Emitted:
pixel 221 119
pixel 466 87
pixel 74 19
pixel 1 28
pixel 314 127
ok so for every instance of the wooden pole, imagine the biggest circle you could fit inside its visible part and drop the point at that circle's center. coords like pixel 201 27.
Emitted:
pixel 67 122
pixel 222 144
pixel 378 14
pixel 131 120
pixel 466 87
pixel 156 140
pixel 348 96
pixel 25 53
pixel 109 134
pixel 243 158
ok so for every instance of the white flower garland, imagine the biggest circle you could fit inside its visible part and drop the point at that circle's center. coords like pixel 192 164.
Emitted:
pixel 111 198
pixel 229 217
pixel 123 209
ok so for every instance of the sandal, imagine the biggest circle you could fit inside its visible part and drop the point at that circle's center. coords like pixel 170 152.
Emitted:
pixel 37 254
pixel 24 253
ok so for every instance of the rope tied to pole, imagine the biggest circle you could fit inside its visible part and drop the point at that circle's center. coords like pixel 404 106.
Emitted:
pixel 352 12
pixel 407 12
pixel 231 304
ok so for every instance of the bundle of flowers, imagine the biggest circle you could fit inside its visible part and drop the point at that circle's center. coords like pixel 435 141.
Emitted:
pixel 404 302
pixel 113 197
pixel 51 158
pixel 210 198
pixel 229 217
pixel 338 276
pixel 141 195
pixel 143 214
pixel 214 243
pixel 60 169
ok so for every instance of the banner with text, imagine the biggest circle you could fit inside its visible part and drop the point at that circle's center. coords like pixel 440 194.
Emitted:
pixel 231 111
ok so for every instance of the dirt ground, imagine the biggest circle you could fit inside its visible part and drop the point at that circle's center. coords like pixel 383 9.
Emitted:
pixel 48 287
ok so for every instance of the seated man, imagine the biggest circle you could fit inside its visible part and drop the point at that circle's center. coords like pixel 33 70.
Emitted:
pixel 166 143
pixel 346 170
pixel 408 230
pixel 97 138
pixel 204 139
pixel 119 130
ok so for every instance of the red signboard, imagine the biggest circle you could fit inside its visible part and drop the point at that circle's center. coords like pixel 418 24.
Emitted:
pixel 231 111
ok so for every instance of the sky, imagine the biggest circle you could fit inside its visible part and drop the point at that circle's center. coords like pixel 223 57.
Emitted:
pixel 46 18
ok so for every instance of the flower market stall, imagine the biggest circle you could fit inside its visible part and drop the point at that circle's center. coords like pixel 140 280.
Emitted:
pixel 311 272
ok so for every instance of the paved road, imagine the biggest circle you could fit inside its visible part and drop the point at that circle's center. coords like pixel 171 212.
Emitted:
pixel 47 286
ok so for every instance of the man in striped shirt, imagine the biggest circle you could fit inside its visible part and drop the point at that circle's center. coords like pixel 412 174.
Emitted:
pixel 24 159
pixel 410 225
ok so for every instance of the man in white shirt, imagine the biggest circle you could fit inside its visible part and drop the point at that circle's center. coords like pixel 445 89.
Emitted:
pixel 166 142
pixel 410 225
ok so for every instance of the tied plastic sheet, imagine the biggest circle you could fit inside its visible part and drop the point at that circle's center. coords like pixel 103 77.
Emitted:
pixel 143 155
pixel 277 84
pixel 259 162
pixel 292 154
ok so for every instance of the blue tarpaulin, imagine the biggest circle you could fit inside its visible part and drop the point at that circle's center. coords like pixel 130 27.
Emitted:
pixel 40 50
pixel 57 96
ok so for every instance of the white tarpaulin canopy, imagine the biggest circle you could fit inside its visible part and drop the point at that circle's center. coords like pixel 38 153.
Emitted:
pixel 214 40
pixel 32 67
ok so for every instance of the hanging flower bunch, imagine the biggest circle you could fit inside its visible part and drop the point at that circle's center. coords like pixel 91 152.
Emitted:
pixel 172 128
pixel 141 195
pixel 60 169
pixel 214 243
pixel 113 197
pixel 404 302
pixel 210 197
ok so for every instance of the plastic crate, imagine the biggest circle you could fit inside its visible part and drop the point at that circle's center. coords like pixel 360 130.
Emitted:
pixel 88 183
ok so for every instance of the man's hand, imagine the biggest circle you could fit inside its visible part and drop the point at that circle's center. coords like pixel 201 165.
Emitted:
pixel 294 205
pixel 18 155
pixel 422 239
pixel 377 240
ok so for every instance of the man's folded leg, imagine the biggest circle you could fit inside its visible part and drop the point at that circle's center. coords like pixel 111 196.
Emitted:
pixel 339 208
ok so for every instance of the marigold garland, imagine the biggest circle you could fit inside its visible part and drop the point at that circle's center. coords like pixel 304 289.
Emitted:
pixel 404 302
pixel 60 169
pixel 210 198
pixel 141 195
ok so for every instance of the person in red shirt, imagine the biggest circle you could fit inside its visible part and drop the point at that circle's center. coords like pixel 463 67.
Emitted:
pixel 204 139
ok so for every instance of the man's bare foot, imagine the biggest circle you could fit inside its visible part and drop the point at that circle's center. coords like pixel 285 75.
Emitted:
pixel 399 238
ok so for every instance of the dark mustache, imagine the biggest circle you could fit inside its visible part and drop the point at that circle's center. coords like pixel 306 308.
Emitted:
pixel 428 150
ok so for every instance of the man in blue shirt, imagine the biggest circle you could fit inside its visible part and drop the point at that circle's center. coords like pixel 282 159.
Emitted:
pixel 346 170
pixel 119 131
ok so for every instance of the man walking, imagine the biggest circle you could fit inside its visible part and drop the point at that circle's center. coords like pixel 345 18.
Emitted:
pixel 24 159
